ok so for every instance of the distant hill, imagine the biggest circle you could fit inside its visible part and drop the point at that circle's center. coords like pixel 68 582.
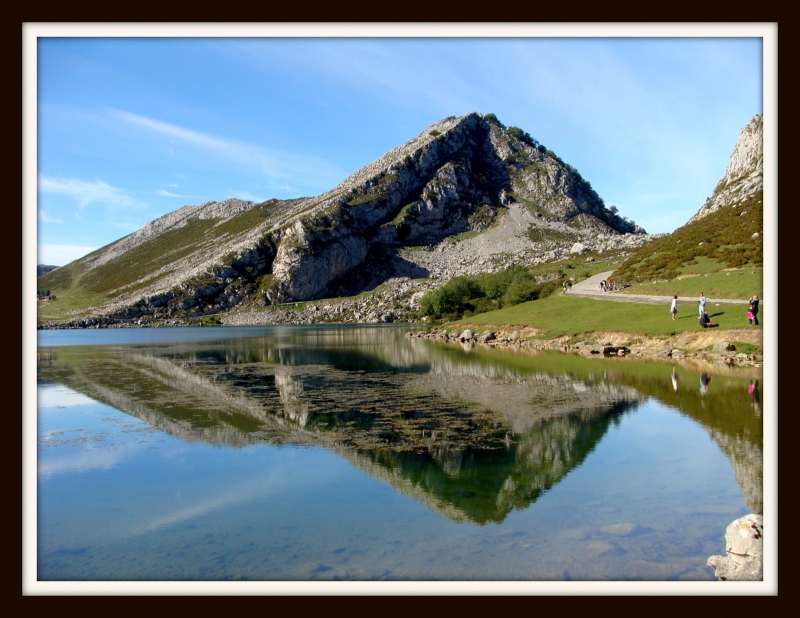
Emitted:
pixel 467 195
pixel 43 269
pixel 727 231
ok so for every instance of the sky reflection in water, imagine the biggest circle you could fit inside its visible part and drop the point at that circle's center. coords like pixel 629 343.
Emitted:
pixel 356 453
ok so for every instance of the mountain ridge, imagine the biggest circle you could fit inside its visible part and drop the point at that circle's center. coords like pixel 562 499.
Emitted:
pixel 444 191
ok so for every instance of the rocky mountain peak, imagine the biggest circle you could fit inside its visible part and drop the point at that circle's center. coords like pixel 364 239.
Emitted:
pixel 745 174
pixel 466 195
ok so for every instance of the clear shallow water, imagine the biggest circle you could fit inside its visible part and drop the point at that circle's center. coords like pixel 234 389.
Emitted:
pixel 330 453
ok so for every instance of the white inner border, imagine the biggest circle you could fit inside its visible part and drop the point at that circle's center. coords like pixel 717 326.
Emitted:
pixel 768 32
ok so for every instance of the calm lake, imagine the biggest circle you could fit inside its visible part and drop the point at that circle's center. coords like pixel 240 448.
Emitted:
pixel 324 453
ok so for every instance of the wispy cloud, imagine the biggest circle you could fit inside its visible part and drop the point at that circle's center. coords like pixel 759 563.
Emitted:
pixel 244 195
pixel 58 255
pixel 173 185
pixel 43 216
pixel 85 192
pixel 168 194
pixel 271 162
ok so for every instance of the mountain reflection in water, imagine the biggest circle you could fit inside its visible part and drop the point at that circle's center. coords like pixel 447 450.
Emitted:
pixel 471 435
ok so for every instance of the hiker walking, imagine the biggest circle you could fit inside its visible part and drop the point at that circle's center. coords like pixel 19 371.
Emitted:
pixel 702 303
pixel 674 308
pixel 752 315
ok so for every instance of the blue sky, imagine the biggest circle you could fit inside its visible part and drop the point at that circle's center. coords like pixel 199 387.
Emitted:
pixel 132 128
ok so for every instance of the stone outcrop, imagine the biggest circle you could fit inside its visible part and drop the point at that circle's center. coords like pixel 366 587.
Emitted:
pixel 744 559
pixel 745 174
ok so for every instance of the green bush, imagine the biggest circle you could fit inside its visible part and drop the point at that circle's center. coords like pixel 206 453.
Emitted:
pixel 487 292
pixel 522 291
pixel 493 119
pixel 523 136
pixel 450 299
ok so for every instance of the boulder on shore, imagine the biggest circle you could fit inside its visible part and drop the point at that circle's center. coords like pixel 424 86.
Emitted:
pixel 744 548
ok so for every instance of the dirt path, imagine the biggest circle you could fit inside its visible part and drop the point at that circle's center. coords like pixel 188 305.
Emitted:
pixel 591 287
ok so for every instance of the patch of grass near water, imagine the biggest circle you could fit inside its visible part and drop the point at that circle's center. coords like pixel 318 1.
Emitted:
pixel 563 315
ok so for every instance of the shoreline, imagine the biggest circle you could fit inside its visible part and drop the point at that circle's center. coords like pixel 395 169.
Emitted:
pixel 718 348
pixel 721 347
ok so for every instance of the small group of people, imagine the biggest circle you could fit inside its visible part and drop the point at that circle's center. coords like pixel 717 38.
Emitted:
pixel 612 286
pixel 567 286
pixel 705 319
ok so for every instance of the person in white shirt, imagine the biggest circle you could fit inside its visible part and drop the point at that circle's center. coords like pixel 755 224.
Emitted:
pixel 674 308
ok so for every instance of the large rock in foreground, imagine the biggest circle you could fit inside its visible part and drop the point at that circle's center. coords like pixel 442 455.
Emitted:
pixel 744 548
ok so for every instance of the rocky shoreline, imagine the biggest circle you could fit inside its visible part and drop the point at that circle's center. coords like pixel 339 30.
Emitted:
pixel 718 348
pixel 685 347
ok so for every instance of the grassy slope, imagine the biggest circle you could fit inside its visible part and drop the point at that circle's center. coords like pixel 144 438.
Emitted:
pixel 77 289
pixel 738 284
pixel 565 315
pixel 723 238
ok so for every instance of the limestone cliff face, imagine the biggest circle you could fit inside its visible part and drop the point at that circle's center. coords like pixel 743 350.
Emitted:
pixel 465 174
pixel 745 174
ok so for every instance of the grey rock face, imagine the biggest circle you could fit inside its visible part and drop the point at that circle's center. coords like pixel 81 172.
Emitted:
pixel 744 559
pixel 745 173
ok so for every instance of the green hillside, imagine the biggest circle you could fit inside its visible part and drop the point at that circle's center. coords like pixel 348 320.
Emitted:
pixel 78 288
pixel 723 239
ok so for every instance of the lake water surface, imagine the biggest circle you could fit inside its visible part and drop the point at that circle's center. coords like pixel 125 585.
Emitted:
pixel 319 453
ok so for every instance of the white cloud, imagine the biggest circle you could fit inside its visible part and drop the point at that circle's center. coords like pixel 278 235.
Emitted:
pixel 173 185
pixel 168 194
pixel 58 255
pixel 86 193
pixel 43 216
pixel 270 161
pixel 244 195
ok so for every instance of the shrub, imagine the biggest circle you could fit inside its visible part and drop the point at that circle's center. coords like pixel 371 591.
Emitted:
pixel 493 120
pixel 522 136
pixel 451 298
pixel 522 291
